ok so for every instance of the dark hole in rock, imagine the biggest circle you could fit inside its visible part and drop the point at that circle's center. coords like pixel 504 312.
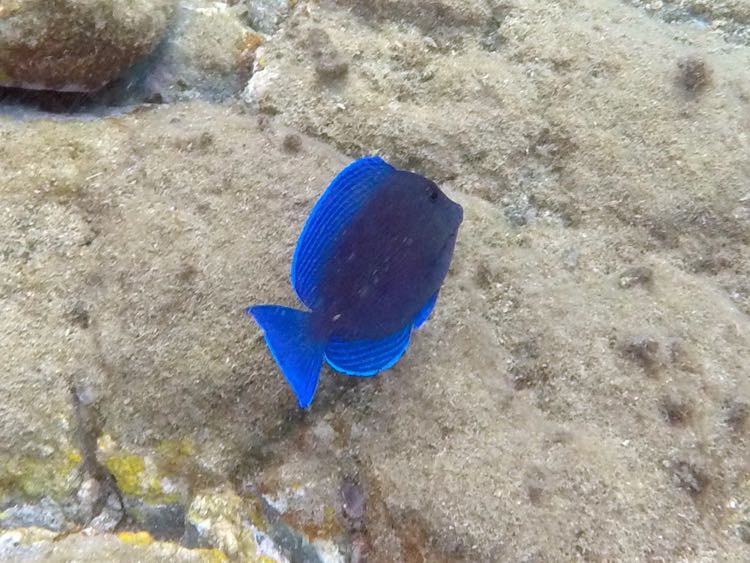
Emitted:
pixel 165 522
pixel 111 99
pixel 122 94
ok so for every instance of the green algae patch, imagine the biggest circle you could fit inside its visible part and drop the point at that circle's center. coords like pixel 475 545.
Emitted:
pixel 127 470
pixel 33 477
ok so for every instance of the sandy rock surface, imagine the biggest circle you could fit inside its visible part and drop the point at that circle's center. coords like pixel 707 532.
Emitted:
pixel 76 45
pixel 208 53
pixel 581 391
pixel 267 15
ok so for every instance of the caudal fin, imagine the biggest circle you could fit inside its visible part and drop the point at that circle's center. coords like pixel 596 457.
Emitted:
pixel 288 335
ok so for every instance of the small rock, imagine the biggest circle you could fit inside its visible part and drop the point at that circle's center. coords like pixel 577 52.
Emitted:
pixel 110 516
pixel 162 521
pixel 79 316
pixel 216 520
pixel 332 67
pixel 267 15
pixel 693 73
pixel 80 48
pixel 522 211
pixel 570 260
pixel 743 530
pixel 644 351
pixel 638 275
pixel 688 477
pixel 329 63
pixel 736 415
pixel 88 495
pixel 674 411
pixel 256 89
pixel 324 432
pixel 353 505
pixel 45 514
pixel 292 143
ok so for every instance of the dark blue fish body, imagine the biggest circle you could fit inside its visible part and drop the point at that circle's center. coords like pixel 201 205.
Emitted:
pixel 368 264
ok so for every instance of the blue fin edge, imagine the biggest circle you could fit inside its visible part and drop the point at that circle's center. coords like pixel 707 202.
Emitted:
pixel 323 201
pixel 304 391
pixel 370 373
pixel 426 311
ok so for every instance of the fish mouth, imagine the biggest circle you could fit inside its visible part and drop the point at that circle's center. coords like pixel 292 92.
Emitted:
pixel 459 213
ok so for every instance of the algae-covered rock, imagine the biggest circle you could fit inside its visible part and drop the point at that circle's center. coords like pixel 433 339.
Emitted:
pixel 36 544
pixel 266 15
pixel 207 53
pixel 128 315
pixel 217 519
pixel 76 45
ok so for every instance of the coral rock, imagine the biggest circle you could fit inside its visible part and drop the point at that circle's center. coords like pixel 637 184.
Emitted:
pixel 76 46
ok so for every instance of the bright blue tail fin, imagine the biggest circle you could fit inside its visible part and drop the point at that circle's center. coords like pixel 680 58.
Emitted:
pixel 288 335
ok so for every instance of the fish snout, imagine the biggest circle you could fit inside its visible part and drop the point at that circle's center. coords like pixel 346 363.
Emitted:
pixel 456 214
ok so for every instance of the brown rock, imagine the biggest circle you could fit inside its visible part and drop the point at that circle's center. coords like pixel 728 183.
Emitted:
pixel 76 46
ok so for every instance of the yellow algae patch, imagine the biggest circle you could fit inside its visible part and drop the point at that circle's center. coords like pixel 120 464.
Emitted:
pixel 105 443
pixel 74 458
pixel 135 538
pixel 219 514
pixel 149 477
pixel 35 477
pixel 127 470
pixel 155 493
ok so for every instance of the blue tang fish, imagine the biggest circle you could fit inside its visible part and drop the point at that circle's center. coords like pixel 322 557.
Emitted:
pixel 368 267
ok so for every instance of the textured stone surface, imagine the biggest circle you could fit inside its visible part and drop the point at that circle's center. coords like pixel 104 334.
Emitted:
pixel 267 15
pixel 76 45
pixel 207 53
pixel 581 391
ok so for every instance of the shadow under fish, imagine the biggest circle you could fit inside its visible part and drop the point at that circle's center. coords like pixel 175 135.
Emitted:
pixel 368 265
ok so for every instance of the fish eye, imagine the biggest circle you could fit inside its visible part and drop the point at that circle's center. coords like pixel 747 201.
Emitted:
pixel 433 194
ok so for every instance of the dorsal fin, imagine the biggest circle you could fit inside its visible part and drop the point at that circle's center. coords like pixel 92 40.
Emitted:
pixel 345 195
